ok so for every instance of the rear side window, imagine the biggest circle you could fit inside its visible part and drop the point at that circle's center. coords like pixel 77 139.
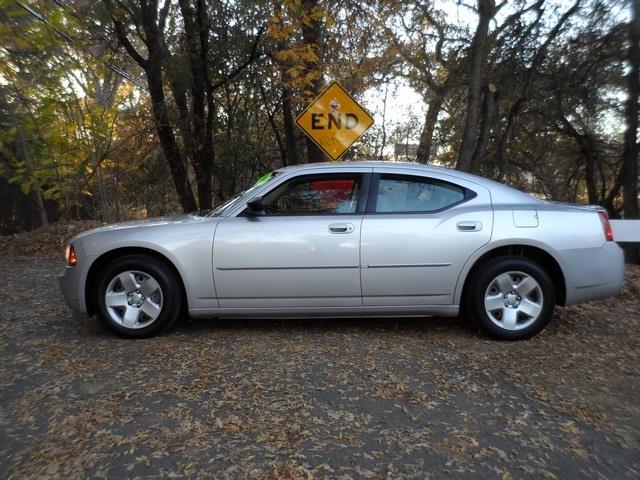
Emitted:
pixel 405 194
pixel 316 194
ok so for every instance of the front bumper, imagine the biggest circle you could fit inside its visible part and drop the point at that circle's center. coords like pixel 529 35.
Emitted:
pixel 71 285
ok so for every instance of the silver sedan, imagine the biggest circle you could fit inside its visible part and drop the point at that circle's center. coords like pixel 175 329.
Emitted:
pixel 351 239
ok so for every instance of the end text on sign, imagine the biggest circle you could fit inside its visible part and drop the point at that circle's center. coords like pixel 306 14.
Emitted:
pixel 337 120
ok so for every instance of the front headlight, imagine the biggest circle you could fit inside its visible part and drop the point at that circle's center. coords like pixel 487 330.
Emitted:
pixel 70 255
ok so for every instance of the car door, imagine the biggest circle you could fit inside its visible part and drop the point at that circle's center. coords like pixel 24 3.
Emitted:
pixel 419 230
pixel 302 251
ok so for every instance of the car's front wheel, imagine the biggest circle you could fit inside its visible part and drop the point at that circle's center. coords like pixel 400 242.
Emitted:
pixel 511 298
pixel 138 296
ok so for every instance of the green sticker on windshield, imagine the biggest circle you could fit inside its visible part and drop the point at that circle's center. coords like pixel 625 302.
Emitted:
pixel 264 179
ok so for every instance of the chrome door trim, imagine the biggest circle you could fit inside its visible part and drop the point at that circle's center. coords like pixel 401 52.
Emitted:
pixel 407 265
pixel 318 267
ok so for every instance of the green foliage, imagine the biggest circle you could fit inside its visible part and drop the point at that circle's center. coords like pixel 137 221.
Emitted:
pixel 67 114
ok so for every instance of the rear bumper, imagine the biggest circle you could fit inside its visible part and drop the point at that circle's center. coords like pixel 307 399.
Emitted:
pixel 71 283
pixel 593 273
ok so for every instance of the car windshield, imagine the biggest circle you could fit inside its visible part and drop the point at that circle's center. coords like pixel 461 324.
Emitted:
pixel 229 204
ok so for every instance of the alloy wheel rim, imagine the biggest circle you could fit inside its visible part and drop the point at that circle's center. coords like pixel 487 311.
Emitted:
pixel 513 300
pixel 133 299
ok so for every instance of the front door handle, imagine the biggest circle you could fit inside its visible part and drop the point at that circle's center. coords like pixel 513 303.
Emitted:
pixel 469 226
pixel 341 228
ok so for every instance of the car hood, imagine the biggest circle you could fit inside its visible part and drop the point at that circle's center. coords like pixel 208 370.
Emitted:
pixel 155 222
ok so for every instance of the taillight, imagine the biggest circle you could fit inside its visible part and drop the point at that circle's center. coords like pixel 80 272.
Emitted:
pixel 606 226
pixel 70 255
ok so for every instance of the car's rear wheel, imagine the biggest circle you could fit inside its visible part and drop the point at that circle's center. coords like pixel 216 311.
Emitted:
pixel 511 298
pixel 138 296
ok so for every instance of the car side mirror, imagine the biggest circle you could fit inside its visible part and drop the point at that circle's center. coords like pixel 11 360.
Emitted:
pixel 255 206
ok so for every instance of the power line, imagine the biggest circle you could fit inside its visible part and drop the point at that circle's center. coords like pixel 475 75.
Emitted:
pixel 94 30
pixel 123 73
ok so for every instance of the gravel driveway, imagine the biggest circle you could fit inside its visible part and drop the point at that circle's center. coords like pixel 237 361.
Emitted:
pixel 388 398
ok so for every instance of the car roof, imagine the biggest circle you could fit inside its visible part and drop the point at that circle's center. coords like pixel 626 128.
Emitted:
pixel 386 164
pixel 500 192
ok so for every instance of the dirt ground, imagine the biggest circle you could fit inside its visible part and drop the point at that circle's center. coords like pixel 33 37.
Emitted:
pixel 384 398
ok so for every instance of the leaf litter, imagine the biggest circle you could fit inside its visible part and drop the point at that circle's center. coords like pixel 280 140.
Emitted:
pixel 310 399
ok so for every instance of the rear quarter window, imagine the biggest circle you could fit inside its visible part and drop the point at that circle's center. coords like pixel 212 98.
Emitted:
pixel 412 194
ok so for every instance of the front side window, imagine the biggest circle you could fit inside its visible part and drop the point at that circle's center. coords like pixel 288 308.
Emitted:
pixel 315 194
pixel 404 194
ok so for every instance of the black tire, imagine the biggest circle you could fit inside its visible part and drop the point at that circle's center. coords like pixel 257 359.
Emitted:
pixel 171 293
pixel 484 277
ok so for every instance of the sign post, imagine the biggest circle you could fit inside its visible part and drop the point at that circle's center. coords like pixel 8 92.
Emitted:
pixel 334 121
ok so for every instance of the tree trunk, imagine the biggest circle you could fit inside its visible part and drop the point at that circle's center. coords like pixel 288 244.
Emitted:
pixel 630 153
pixel 426 137
pixel 168 139
pixel 476 74
pixel 206 158
pixel 312 38
pixel 488 110
pixel 274 128
pixel 588 150
pixel 587 145
pixel 153 25
pixel 380 152
pixel 505 139
pixel 590 155
pixel 292 157
pixel 28 161
pixel 196 33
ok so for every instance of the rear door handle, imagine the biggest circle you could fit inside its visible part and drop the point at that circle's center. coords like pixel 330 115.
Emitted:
pixel 469 226
pixel 341 228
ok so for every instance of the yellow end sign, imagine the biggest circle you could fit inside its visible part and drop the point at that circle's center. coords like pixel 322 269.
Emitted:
pixel 334 121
